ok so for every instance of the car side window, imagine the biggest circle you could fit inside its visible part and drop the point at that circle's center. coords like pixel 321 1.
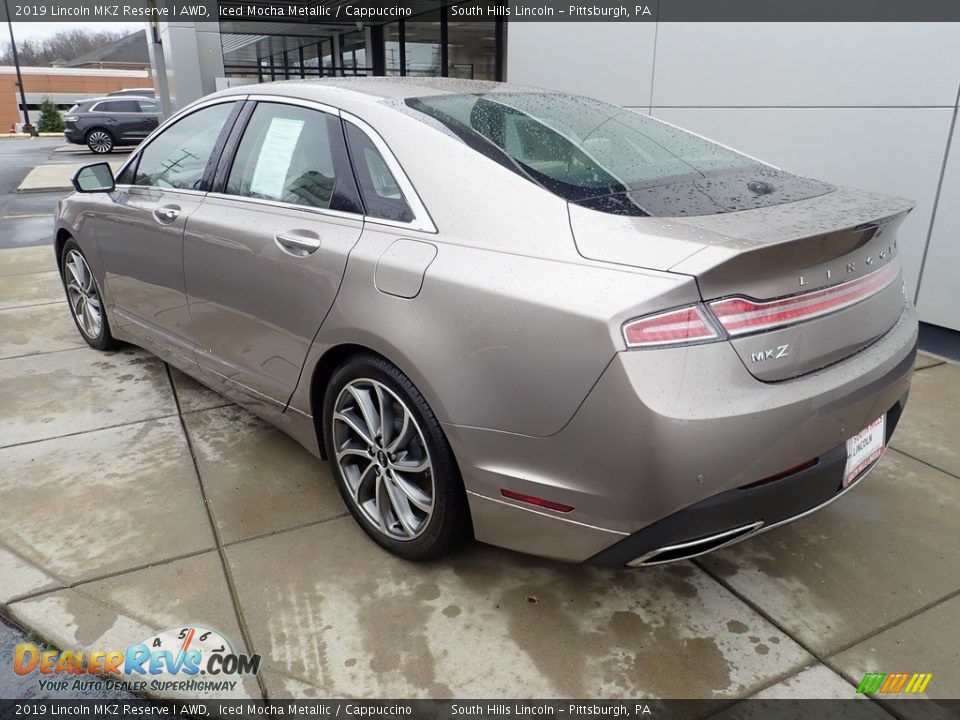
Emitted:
pixel 294 155
pixel 178 156
pixel 115 106
pixel 148 106
pixel 126 177
pixel 382 196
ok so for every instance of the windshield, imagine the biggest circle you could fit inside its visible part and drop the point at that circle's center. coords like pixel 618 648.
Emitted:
pixel 610 158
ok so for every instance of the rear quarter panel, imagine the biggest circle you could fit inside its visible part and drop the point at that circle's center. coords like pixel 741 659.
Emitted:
pixel 492 340
pixel 512 327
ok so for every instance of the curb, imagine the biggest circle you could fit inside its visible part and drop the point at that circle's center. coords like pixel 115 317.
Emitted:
pixel 25 135
pixel 58 188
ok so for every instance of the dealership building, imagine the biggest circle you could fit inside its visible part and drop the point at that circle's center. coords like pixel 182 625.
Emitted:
pixel 867 105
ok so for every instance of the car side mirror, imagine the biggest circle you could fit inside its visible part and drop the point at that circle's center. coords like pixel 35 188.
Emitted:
pixel 94 178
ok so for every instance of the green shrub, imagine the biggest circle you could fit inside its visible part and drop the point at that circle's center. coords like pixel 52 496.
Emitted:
pixel 51 121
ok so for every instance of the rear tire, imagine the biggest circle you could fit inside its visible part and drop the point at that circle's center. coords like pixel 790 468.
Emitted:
pixel 99 141
pixel 84 298
pixel 391 461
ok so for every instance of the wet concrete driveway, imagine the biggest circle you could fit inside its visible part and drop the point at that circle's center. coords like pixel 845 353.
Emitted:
pixel 134 500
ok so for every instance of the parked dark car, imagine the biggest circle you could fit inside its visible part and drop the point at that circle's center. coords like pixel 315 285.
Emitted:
pixel 137 92
pixel 103 123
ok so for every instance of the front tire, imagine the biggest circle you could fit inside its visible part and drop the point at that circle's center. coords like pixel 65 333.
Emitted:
pixel 100 141
pixel 84 298
pixel 391 461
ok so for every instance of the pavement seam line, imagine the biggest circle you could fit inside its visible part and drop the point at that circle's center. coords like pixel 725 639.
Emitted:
pixel 84 432
pixel 37 354
pixel 28 272
pixel 953 594
pixel 766 616
pixel 49 573
pixel 22 307
pixel 221 550
pixel 757 609
pixel 824 660
pixel 105 576
pixel 922 461
pixel 281 531
pixel 937 364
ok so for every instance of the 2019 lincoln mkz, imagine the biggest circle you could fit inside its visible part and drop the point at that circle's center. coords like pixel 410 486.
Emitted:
pixel 554 324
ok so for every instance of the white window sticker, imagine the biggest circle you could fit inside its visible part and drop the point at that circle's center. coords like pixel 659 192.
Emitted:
pixel 273 163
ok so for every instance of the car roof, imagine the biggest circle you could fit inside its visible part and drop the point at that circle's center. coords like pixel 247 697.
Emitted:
pixel 347 92
pixel 113 98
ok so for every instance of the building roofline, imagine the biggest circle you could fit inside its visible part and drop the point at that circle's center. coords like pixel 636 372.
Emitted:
pixel 74 72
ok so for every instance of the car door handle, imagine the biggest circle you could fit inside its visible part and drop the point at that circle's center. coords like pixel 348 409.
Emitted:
pixel 166 214
pixel 299 245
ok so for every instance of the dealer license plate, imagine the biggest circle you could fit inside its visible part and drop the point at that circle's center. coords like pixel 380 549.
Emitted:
pixel 864 448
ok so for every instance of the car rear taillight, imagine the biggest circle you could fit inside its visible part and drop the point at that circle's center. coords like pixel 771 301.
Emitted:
pixel 740 316
pixel 737 316
pixel 674 327
pixel 72 118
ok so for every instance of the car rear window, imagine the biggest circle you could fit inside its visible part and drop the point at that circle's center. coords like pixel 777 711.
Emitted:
pixel 610 158
pixel 112 106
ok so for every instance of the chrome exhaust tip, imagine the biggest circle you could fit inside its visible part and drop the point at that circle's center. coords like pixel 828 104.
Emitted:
pixel 693 548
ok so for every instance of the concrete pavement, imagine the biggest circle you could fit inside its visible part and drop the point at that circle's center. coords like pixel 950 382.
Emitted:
pixel 136 500
pixel 57 176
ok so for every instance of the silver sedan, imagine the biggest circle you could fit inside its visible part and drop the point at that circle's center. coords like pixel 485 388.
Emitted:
pixel 533 318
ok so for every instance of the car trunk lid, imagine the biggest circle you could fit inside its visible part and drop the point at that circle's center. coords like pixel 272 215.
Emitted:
pixel 835 253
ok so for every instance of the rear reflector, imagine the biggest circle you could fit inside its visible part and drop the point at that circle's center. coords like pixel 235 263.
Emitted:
pixel 674 327
pixel 740 316
pixel 780 475
pixel 539 502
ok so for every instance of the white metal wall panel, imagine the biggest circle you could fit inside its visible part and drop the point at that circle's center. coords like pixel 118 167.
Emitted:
pixel 612 61
pixel 807 64
pixel 939 300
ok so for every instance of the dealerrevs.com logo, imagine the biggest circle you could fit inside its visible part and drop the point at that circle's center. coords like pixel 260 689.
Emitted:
pixel 190 659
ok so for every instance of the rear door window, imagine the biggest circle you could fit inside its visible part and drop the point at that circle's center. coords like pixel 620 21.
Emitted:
pixel 382 196
pixel 294 155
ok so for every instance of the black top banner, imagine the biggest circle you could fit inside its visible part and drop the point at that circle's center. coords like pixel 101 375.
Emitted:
pixel 337 709
pixel 384 11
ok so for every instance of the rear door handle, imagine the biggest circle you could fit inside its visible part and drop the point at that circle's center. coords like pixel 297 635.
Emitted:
pixel 167 214
pixel 299 245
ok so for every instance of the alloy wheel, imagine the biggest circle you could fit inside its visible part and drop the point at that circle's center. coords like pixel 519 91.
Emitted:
pixel 100 142
pixel 83 295
pixel 383 458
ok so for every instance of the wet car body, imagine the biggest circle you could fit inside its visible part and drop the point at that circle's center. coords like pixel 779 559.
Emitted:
pixel 525 313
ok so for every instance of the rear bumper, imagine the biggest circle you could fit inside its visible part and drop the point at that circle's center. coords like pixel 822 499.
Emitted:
pixel 735 515
pixel 73 136
pixel 674 433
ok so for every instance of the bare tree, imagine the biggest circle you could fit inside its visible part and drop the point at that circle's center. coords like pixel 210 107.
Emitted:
pixel 61 47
